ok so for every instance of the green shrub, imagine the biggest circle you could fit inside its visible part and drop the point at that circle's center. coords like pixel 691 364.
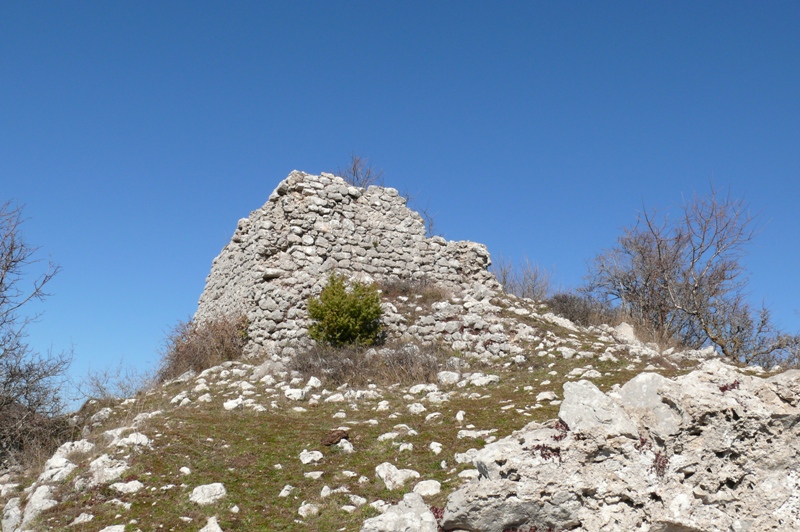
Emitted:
pixel 345 317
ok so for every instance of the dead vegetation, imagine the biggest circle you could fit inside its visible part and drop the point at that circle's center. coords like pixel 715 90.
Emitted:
pixel 359 366
pixel 198 346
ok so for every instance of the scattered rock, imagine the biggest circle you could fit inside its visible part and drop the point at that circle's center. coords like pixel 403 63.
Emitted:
pixel 410 515
pixel 392 477
pixel 208 494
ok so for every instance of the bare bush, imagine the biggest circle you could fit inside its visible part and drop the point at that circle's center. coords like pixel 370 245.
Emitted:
pixel 582 309
pixel 114 383
pixel 360 173
pixel 197 346
pixel 528 280
pixel 683 280
pixel 359 366
pixel 30 383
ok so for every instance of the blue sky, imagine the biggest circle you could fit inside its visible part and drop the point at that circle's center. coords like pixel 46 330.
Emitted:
pixel 136 134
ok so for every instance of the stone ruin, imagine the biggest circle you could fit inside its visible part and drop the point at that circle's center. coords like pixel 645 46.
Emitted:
pixel 313 225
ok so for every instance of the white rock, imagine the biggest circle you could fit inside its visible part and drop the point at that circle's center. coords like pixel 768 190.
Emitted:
pixel 233 404
pixel 185 470
pixel 474 434
pixel 127 487
pixel 56 469
pixel 114 528
pixel 83 518
pixel 208 493
pixel 545 396
pixel 295 394
pixel 335 398
pixel 586 409
pixel 388 436
pixel 345 446
pixel 12 515
pixel 286 491
pixel 416 408
pixel 625 333
pixel 211 525
pixel 357 500
pixel 392 477
pixel 307 457
pixel 428 488
pixel 448 378
pixel 308 510
pixel 410 515
pixel 421 388
pixel 478 379
pixel 101 415
pixel 435 447
pixel 104 469
pixel 314 382
pixel 41 500
pixel 135 439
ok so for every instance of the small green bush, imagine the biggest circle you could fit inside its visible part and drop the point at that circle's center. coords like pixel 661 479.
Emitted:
pixel 345 317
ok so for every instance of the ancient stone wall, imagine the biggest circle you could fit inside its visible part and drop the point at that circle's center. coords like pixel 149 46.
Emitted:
pixel 312 225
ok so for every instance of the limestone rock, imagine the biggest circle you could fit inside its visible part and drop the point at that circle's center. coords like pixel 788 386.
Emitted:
pixel 12 515
pixel 409 515
pixel 208 493
pixel 41 500
pixel 708 455
pixel 394 478
pixel 211 525
pixel 587 409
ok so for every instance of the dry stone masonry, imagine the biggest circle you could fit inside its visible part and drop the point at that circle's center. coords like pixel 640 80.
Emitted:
pixel 313 225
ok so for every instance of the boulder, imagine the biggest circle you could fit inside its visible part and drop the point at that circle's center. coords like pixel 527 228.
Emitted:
pixel 714 450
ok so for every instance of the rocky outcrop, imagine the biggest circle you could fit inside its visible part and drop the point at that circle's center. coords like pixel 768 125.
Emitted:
pixel 714 450
pixel 312 225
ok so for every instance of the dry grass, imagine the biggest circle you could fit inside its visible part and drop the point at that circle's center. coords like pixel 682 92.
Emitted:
pixel 582 309
pixel 421 291
pixel 198 346
pixel 359 366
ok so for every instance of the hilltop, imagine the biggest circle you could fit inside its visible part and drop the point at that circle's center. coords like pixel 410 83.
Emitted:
pixel 496 414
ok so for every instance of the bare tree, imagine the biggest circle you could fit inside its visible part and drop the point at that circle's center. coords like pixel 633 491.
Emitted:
pixel 29 383
pixel 684 280
pixel 360 173
pixel 525 280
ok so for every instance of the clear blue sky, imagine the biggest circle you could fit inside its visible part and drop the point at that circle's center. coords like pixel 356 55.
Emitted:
pixel 136 134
